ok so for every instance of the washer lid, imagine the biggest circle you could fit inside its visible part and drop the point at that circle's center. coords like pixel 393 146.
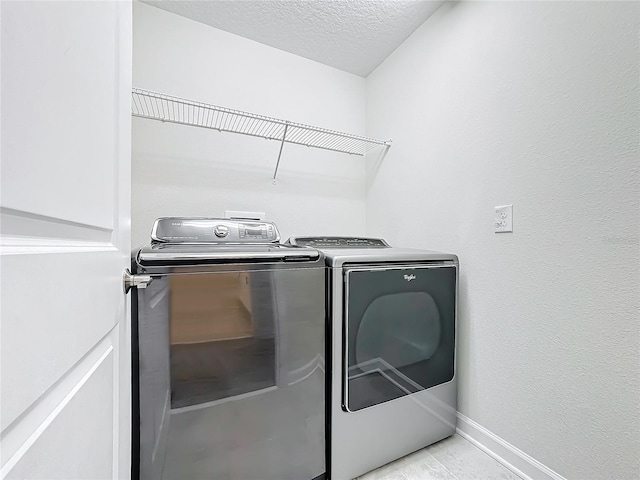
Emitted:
pixel 168 254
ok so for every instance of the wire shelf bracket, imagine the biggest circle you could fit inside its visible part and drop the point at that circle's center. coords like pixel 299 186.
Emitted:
pixel 167 108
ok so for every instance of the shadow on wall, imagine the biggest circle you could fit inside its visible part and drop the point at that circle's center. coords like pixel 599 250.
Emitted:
pixel 184 158
pixel 190 173
pixel 373 163
pixel 463 335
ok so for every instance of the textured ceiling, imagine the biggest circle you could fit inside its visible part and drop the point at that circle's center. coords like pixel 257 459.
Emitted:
pixel 351 35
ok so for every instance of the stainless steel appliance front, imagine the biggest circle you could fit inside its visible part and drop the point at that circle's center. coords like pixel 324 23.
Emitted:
pixel 230 363
pixel 392 330
pixel 393 384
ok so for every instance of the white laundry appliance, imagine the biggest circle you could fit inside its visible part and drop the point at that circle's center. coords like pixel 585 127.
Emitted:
pixel 392 345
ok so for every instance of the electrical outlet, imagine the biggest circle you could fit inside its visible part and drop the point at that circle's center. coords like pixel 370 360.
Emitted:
pixel 503 220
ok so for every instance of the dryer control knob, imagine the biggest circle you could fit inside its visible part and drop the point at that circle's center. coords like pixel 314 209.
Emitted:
pixel 221 231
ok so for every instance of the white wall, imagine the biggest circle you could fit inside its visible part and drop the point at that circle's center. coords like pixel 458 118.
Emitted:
pixel 534 104
pixel 179 170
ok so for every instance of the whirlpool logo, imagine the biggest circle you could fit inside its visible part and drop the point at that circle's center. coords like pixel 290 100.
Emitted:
pixel 408 278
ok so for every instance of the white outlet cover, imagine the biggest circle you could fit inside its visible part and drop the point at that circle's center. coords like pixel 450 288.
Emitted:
pixel 238 215
pixel 503 219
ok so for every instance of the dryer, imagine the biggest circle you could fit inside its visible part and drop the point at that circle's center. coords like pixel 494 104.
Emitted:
pixel 392 345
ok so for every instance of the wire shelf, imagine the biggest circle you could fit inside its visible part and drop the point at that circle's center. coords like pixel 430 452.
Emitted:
pixel 167 108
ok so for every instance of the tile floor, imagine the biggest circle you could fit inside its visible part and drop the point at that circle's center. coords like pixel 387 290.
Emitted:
pixel 453 458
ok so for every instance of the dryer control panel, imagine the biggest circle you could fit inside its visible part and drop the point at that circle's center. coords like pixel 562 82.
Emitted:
pixel 213 230
pixel 338 242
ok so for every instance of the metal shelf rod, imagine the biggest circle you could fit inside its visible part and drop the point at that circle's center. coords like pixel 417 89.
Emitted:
pixel 284 136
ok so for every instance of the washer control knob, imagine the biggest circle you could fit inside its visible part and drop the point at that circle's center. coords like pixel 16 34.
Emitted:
pixel 221 231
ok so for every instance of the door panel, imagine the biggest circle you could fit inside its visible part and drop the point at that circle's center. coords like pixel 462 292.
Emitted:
pixel 399 332
pixel 58 68
pixel 57 454
pixel 65 239
pixel 33 332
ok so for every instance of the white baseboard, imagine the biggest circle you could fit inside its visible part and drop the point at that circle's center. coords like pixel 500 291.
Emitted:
pixel 511 457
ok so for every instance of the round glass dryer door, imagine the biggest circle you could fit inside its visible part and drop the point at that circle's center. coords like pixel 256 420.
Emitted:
pixel 399 332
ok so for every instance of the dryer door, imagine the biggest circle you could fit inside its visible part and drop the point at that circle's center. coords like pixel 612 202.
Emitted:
pixel 399 331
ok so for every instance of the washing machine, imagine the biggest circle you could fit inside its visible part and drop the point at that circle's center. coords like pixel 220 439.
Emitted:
pixel 228 354
pixel 392 345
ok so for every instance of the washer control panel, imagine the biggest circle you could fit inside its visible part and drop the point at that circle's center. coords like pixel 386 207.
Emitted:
pixel 338 242
pixel 213 230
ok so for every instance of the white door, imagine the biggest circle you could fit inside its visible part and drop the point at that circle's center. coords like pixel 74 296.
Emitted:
pixel 65 233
